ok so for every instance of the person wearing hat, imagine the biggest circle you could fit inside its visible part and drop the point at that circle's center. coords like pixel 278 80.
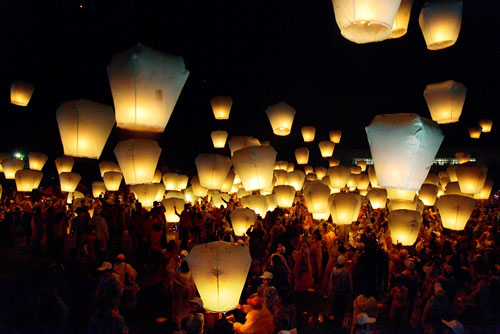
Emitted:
pixel 258 318
pixel 127 275
pixel 339 291
pixel 267 291
pixel 362 324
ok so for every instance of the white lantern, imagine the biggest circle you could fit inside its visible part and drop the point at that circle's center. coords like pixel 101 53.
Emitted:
pixel 316 194
pixel 445 101
pixel 137 159
pixel 475 132
pixel 302 155
pixel 20 93
pixel 108 166
pixel 284 196
pixel 404 226
pixel 344 207
pixel 362 181
pixel 290 167
pixel 27 179
pixel 486 125
pixel 401 194
pixel 258 203
pixel 145 84
pixel 11 166
pixel 198 190
pixel 339 176
pixel 171 205
pixel 326 148
pixel 320 172
pixel 182 181
pixel 170 181
pixel 69 181
pixel 428 194
pixel 335 136
pixel 377 198
pixel 296 179
pixel 455 211
pixel 219 138
pixel 112 180
pixel 148 193
pixel 37 160
pixel 432 179
pixel 471 177
pixel 221 105
pixel 333 162
pixel 190 196
pixel 281 165
pixel 255 166
pixel 485 193
pixel 212 170
pixel 308 133
pixel 281 117
pixel 440 22
pixel 242 219
pixel 228 182
pixel 281 177
pixel 400 25
pixel 453 188
pixel 239 142
pixel 3 156
pixel 98 189
pixel 311 177
pixel 157 176
pixel 397 204
pixel 242 193
pixel 64 164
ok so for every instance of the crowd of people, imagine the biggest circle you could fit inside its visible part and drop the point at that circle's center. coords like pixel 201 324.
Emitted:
pixel 97 254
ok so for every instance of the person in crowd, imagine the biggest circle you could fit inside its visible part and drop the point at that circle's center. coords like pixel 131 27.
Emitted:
pixel 268 291
pixel 258 318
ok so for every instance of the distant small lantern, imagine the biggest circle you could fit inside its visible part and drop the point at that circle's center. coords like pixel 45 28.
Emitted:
pixel 475 132
pixel 37 160
pixel 351 182
pixel 281 117
pixel 157 176
pixel 486 125
pixel 455 211
pixel 137 159
pixel 290 167
pixel 69 181
pixel 20 93
pixel 198 190
pixel 108 166
pixel 284 195
pixel 296 179
pixel 212 170
pixel 373 177
pixel 326 148
pixel 27 179
pixel 362 21
pixel 257 203
pixel 112 180
pixel 148 193
pixel 308 169
pixel 84 127
pixel 302 155
pixel 320 172
pixel 145 84
pixel 339 176
pixel 308 133
pixel 333 162
pixel 462 157
pixel 362 165
pixel 98 189
pixel 171 205
pixel 471 177
pixel 443 174
pixel 219 271
pixel 485 193
pixel 445 101
pixel 335 136
pixel 400 25
pixel 221 106
pixel 64 164
pixel 255 166
pixel 11 166
pixel 440 22
pixel 281 165
pixel 404 226
pixel 219 138
pixel 452 173
pixel 428 194
pixel 377 198
pixel 316 195
pixel 242 219
pixel 182 181
pixel 170 180
pixel 240 142
pixel 344 207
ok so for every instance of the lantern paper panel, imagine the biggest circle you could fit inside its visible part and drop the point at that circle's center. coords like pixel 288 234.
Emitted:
pixel 428 194
pixel 290 167
pixel 221 106
pixel 453 188
pixel 321 216
pixel 190 196
pixel 281 177
pixel 452 172
pixel 404 226
pixel 242 219
pixel 284 195
pixel 69 181
pixel 471 177
pixel 311 177
pixel 257 203
pixel 255 166
pixel 112 180
pixel 148 193
pixel 281 117
pixel 377 198
pixel 145 84
pixel 3 156
pixel 198 190
pixel 445 101
pixel 333 162
pixel 339 176
pixel 296 179
pixel 175 194
pixel 212 170
pixel 432 179
pixel 182 181
pixel 108 166
pixel 440 22
pixel 11 166
pixel 400 25
pixel 137 159
pixel 64 164
pixel 228 182
pixel 157 177
pixel 401 194
pixel 485 193
pixel 320 172
pixel 362 181
pixel 486 125
pixel 398 204
pixel 219 138
pixel 344 207
pixel 20 93
pixel 98 189
pixel 475 132
pixel 455 211
pixel 308 133
pixel 240 142
pixel 37 160
pixel 326 148
pixel 302 155
pixel 316 195
pixel 27 179
pixel 242 193
pixel 170 180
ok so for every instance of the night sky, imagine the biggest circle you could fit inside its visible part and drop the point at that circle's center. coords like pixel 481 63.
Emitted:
pixel 259 52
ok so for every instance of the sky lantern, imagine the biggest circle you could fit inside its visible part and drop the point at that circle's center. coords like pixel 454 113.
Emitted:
pixel 170 205
pixel 255 166
pixel 148 193
pixel 428 194
pixel 452 172
pixel 453 188
pixel 37 160
pixel 302 155
pixel 401 194
pixel 3 156
pixel 373 177
pixel 170 181
pixel 239 142
pixel 308 169
pixel 486 191
pixel 145 84
pixel 190 196
pixel 242 219
pixel 84 127
pixel 108 166
pixel 98 189
pixel 212 170
pixel 444 181
pixel 219 138
pixel 257 203
pixel 137 159
pixel 351 182
pixel 442 174
pixel 400 25
pixel 362 181
pixel 455 211
pixel 339 176
pixel 462 157
pixel 361 164
pixel 281 165
pixel 475 132
pixel 377 198
pixel 73 198
pixel 221 106
pixel 333 162
pixel 64 164
pixel 228 182
pixel 242 193
pixel 326 148
pixel 440 22
pixel 321 215
pixel 220 199
pixel 290 167
pixel 219 272
pixel 403 147
pixel 112 180
pixel 335 136
pixel 398 204
pixel 320 172
pixel 486 125
pixel 471 177
pixel 281 177
pixel 198 190
pixel 316 194
pixel 157 176
pixel 296 179
pixel 182 181
pixel 311 177
pixel 20 93
pixel 271 201
pixel 404 226
pixel 356 170
pixel 344 207
pixel 445 101
pixel 284 195
pixel 365 21
pixel 281 117
pixel 28 179
pixel 11 166
pixel 432 179
pixel 308 133
pixel 69 181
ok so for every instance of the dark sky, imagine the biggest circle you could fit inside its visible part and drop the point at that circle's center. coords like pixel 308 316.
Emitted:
pixel 259 52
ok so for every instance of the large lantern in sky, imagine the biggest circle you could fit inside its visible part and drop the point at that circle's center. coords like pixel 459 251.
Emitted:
pixel 148 193
pixel 84 127
pixel 98 188
pixel 302 155
pixel 440 21
pixel 486 125
pixel 428 194
pixel 400 25
pixel 137 159
pixel 170 181
pixel 404 226
pixel 308 133
pixel 242 219
pixel 27 179
pixel 281 117
pixel 221 105
pixel 64 164
pixel 455 211
pixel 112 180
pixel 145 84
pixel 445 101
pixel 212 170
pixel 316 194
pixel 239 142
pixel 326 148
pixel 377 198
pixel 365 21
pixel 20 93
pixel 284 196
pixel 344 207
pixel 339 176
pixel 255 166
pixel 37 160
pixel 219 272
pixel 219 138
pixel 69 181
pixel 11 166
pixel 471 177
pixel 403 147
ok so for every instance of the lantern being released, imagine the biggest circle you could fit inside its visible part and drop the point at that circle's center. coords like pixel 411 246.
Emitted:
pixel 219 138
pixel 171 205
pixel 445 101
pixel 11 166
pixel 281 117
pixel 344 207
pixel 258 203
pixel 148 193
pixel 316 195
pixel 365 21
pixel 335 136
pixel 37 160
pixel 20 93
pixel 137 159
pixel 486 125
pixel 308 133
pixel 302 155
pixel 145 84
pixel 428 194
pixel 84 127
pixel 255 166
pixel 27 179
pixel 219 272
pixel 404 226
pixel 400 25
pixel 440 22
pixel 69 181
pixel 284 196
pixel 64 164
pixel 471 177
pixel 339 176
pixel 98 189
pixel 326 148
pixel 242 219
pixel 212 170
pixel 112 180
pixel 455 211
pixel 221 105
pixel 403 147
pixel 377 198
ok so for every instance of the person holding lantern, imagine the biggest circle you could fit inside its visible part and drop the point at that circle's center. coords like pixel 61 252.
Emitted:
pixel 258 319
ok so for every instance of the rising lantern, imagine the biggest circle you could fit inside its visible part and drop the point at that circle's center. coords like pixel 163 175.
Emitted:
pixel 335 136
pixel 445 101
pixel 69 181
pixel 362 165
pixel 255 166
pixel 290 167
pixel 227 185
pixel 98 188
pixel 316 195
pixel 281 117
pixel 308 133
pixel 404 226
pixel 400 25
pixel 284 196
pixel 20 93
pixel 326 148
pixel 242 219
pixel 296 179
pixel 281 177
pixel 455 211
pixel 3 156
pixel 428 194
pixel 221 105
pixel 397 204
pixel 475 132
pixel 112 180
pixel 37 160
pixel 486 191
pixel 333 162
pixel 198 190
pixel 108 166
pixel 302 155
pixel 170 180
pixel 219 138
pixel 486 125
pixel 320 172
pixel 377 198
pixel 462 157
pixel 137 159
pixel 11 166
pixel 64 164
pixel 148 193
pixel 403 147
pixel 171 205
pixel 239 142
pixel 471 177
pixel 212 170
pixel 401 194
pixel 339 176
pixel 145 84
pixel 373 177
pixel 432 179
pixel 440 22
pixel 258 203
pixel 27 179
pixel 344 207
pixel 84 127
pixel 452 188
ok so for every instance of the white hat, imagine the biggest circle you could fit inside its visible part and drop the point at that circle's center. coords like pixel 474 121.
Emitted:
pixel 455 326
pixel 363 318
pixel 184 252
pixel 105 266
pixel 267 275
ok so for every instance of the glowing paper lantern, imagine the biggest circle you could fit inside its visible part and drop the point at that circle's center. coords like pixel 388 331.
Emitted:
pixel 355 170
pixel 228 182
pixel 239 142
pixel 212 170
pixel 175 194
pixel 157 176
pixel 64 164
pixel 281 117
pixel 428 194
pixel 320 172
pixel 335 136
pixel 373 177
pixel 362 181
pixel 20 93
pixel 432 179
pixel 404 226
pixel 220 200
pixel 108 166
pixel 296 179
pixel 284 196
pixel 27 179
pixel 471 177
pixel 344 207
pixel 281 165
pixel 452 188
pixel 326 148
pixel 401 194
pixel 112 180
pixel 219 138
pixel 440 22
pixel 302 155
pixel 486 125
pixel 308 133
pixel 475 132
pixel 281 177
pixel 486 191
pixel 400 25
pixel 445 101
pixel 242 219
pixel 377 198
pixel 221 105
pixel 290 167
pixel 170 205
pixel 462 157
pixel 362 165
pixel 452 173
pixel 397 204
pixel 443 174
pixel 219 272
pixel 198 190
pixel 316 194
pixel 311 177
pixel 403 147
pixel 98 189
pixel 242 193
pixel 258 203
pixel 137 159
pixel 364 21
pixel 321 216
pixel 182 181
pixel 351 182
pixel 10 167
pixel 37 160
pixel 455 211
pixel 339 176
pixel 69 181
pixel 3 156
pixel 145 84
pixel 255 166
pixel 190 196
pixel 170 181
pixel 333 162
pixel 444 181
pixel 148 193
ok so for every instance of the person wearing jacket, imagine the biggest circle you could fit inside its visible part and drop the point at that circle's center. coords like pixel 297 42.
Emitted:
pixel 259 319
